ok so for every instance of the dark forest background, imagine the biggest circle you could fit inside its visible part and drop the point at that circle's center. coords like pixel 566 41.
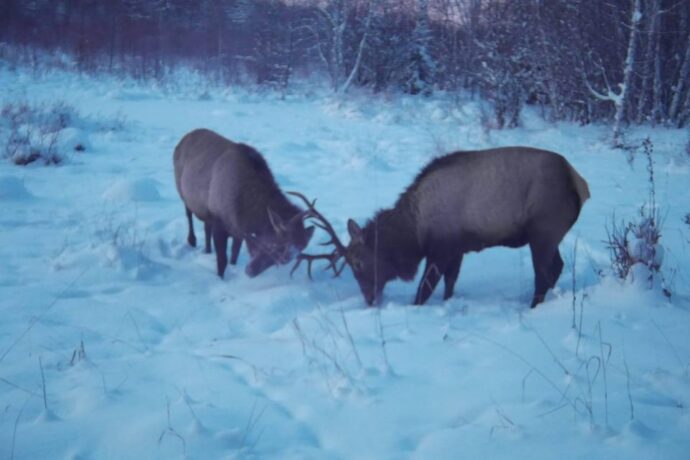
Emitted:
pixel 627 61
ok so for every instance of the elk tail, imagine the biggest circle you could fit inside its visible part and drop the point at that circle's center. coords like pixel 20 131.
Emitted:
pixel 580 185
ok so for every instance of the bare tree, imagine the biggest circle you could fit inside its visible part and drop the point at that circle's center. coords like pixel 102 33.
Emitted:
pixel 676 108
pixel 335 19
pixel 650 58
pixel 583 60
pixel 621 98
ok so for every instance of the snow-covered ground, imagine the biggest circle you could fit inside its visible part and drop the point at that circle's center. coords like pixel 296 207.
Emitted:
pixel 117 340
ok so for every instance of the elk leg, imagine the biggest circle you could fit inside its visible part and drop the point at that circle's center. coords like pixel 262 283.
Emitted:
pixel 191 238
pixel 235 250
pixel 220 241
pixel 451 276
pixel 543 256
pixel 208 231
pixel 556 268
pixel 431 277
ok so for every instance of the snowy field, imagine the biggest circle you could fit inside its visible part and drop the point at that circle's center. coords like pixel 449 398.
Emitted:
pixel 117 340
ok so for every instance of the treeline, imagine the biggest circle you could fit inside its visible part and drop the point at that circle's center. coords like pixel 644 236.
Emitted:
pixel 586 60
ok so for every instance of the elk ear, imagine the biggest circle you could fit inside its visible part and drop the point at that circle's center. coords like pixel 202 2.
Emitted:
pixel 276 221
pixel 355 231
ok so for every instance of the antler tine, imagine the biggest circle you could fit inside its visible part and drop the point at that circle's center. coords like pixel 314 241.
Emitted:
pixel 332 260
pixel 338 271
pixel 321 222
pixel 298 262
pixel 310 204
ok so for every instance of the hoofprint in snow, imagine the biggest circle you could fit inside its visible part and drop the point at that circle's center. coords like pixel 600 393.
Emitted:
pixel 117 340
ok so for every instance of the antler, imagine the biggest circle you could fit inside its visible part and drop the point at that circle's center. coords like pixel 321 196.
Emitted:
pixel 322 223
pixel 332 261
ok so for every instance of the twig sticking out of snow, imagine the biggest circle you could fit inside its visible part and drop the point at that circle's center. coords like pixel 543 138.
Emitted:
pixel 43 384
pixel 16 424
pixel 171 431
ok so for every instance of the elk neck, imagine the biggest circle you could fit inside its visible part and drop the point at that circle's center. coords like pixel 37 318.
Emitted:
pixel 393 234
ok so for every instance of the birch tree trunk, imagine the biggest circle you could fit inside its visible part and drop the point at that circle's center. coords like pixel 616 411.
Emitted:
pixel 657 109
pixel 628 72
pixel 679 87
pixel 336 14
pixel 648 80
pixel 360 50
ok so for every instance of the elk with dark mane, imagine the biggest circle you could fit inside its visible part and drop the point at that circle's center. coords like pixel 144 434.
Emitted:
pixel 460 203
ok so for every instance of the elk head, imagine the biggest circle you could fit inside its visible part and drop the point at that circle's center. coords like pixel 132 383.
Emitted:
pixel 370 271
pixel 279 244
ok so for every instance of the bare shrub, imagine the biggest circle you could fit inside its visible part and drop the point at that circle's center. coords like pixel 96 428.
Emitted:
pixel 618 244
pixel 636 242
pixel 631 243
pixel 33 130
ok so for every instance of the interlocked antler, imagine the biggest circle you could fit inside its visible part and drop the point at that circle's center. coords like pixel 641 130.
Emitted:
pixel 321 222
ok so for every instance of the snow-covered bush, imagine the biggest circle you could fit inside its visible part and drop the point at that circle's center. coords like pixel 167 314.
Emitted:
pixel 31 132
pixel 636 243
pixel 635 250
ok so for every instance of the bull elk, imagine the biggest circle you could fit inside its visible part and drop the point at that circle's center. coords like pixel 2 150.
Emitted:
pixel 230 188
pixel 464 202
